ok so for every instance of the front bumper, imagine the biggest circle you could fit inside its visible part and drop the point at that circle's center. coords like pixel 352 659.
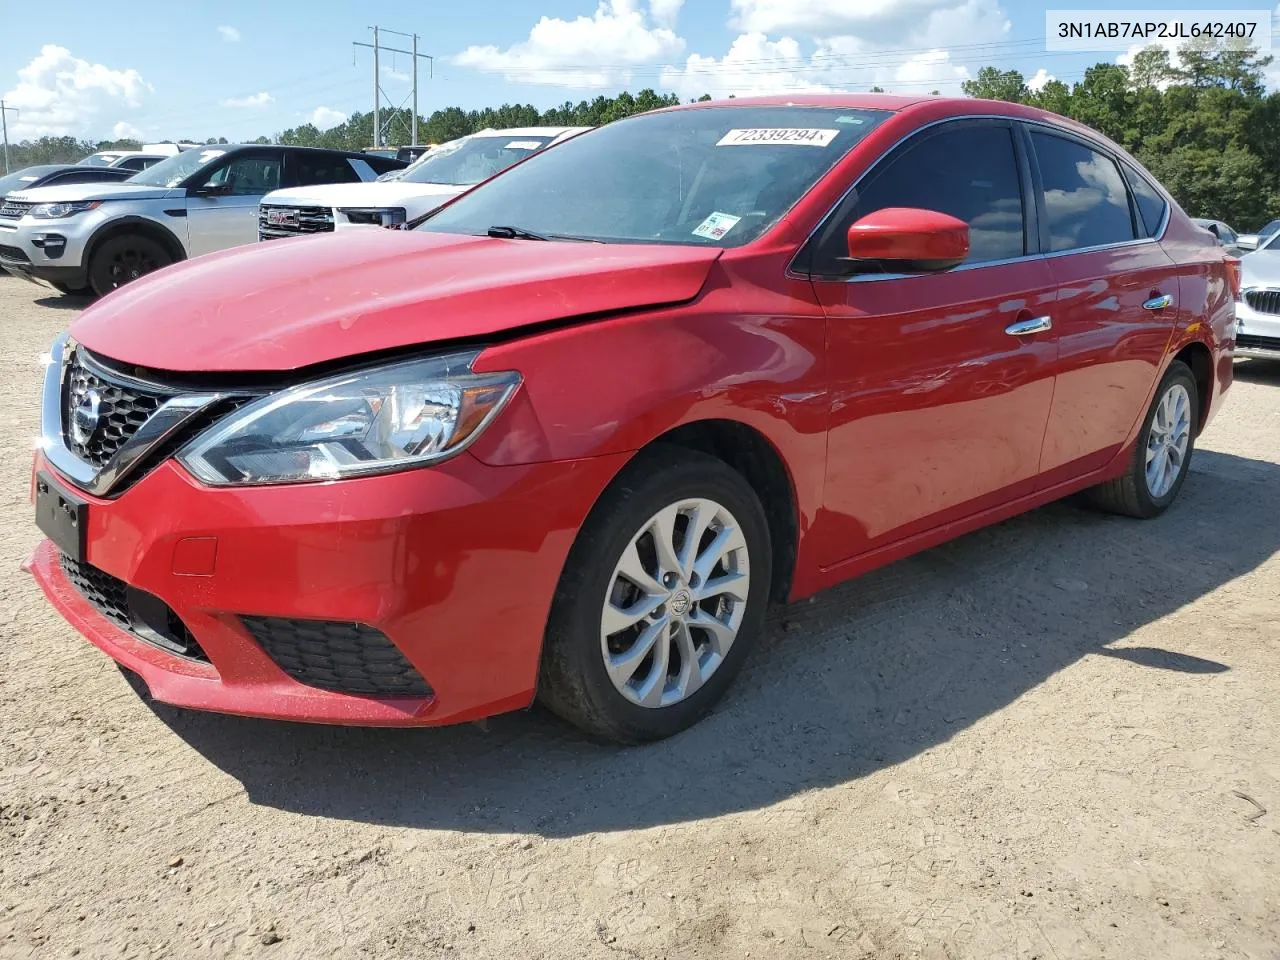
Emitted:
pixel 456 565
pixel 47 251
pixel 1257 333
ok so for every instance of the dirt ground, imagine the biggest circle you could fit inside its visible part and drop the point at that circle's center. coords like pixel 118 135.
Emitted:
pixel 1056 738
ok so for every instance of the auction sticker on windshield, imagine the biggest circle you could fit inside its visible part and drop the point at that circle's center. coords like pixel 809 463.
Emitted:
pixel 793 136
pixel 716 225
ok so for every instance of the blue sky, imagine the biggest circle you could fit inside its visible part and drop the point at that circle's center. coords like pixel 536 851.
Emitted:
pixel 239 69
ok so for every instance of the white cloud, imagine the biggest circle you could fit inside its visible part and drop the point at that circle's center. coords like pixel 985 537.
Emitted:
pixel 1041 80
pixel 250 102
pixel 125 131
pixel 590 51
pixel 402 75
pixel 903 46
pixel 60 95
pixel 741 73
pixel 229 34
pixel 326 117
pixel 665 12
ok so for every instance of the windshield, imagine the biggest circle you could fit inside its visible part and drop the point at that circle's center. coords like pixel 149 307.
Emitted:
pixel 173 170
pixel 98 160
pixel 717 176
pixel 23 178
pixel 472 159
pixel 1269 229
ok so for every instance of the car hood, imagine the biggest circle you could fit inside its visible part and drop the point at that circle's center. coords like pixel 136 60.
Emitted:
pixel 387 193
pixel 93 191
pixel 1260 268
pixel 298 302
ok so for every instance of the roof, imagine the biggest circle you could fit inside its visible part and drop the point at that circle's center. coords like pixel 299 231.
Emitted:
pixel 526 131
pixel 855 101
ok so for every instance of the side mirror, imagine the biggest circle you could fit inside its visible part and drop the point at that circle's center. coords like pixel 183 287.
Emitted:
pixel 909 240
pixel 210 190
pixel 1247 243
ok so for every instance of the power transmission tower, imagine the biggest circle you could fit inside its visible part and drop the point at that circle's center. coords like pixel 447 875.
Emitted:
pixel 378 94
pixel 4 126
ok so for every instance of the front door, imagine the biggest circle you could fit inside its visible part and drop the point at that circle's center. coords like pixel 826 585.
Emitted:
pixel 940 383
pixel 223 209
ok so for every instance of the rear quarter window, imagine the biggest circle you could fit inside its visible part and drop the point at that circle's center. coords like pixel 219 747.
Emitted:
pixel 1151 206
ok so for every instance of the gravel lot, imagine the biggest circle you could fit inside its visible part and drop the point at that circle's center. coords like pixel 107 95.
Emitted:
pixel 1055 738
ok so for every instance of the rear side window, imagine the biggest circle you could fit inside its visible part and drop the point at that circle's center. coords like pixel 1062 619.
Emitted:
pixel 310 168
pixel 1085 200
pixel 1151 206
pixel 969 171
pixel 134 163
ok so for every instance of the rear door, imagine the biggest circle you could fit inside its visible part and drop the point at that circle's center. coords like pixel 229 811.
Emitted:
pixel 227 215
pixel 940 389
pixel 1117 300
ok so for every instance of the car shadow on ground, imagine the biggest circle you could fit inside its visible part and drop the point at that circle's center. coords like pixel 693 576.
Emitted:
pixel 65 301
pixel 1258 371
pixel 865 675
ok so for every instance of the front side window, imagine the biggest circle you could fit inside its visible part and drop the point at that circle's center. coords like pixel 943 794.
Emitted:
pixel 1085 199
pixel 710 176
pixel 967 170
pixel 178 169
pixel 247 175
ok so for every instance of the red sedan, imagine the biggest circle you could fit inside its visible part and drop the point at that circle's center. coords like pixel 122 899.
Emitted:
pixel 572 435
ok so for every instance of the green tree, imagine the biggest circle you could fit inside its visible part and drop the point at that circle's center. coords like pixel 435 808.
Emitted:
pixel 992 83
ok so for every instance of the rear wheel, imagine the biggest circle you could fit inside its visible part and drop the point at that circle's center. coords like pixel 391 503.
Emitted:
pixel 662 596
pixel 1163 452
pixel 125 258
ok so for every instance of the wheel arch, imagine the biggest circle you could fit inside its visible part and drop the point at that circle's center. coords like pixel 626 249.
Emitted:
pixel 759 462
pixel 135 225
pixel 1198 357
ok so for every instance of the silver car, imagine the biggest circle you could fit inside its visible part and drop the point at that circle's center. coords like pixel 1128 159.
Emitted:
pixel 1258 310
pixel 99 236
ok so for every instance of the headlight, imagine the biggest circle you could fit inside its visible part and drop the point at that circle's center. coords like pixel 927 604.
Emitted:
pixel 57 211
pixel 374 216
pixel 371 421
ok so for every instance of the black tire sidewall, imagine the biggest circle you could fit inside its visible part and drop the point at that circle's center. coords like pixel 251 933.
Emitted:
pixel 659 479
pixel 100 279
pixel 1178 372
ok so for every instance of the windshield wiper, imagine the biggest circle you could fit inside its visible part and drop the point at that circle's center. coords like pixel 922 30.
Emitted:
pixel 513 233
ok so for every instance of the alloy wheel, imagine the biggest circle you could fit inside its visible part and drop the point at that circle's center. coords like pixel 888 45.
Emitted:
pixel 1168 440
pixel 675 603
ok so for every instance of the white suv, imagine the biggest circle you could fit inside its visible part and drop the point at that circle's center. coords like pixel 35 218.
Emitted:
pixel 434 179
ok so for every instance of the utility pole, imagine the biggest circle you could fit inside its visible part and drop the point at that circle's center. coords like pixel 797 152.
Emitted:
pixel 4 126
pixel 378 95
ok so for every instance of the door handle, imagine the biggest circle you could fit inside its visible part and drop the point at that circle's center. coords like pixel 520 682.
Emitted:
pixel 1158 303
pixel 1025 328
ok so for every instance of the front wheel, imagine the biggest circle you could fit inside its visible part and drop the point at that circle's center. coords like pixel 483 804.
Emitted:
pixel 661 598
pixel 125 258
pixel 1162 454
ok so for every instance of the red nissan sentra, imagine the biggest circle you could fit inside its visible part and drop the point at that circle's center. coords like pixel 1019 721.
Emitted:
pixel 572 435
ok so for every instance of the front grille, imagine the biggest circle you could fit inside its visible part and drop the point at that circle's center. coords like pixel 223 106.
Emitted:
pixel 292 221
pixel 14 209
pixel 122 409
pixel 338 656
pixel 1264 301
pixel 14 253
pixel 144 615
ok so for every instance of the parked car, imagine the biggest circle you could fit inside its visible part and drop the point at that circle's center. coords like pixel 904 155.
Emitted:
pixel 412 153
pixel 575 434
pixel 1258 306
pixel 102 236
pixel 133 160
pixel 434 179
pixel 1251 241
pixel 1223 233
pixel 59 174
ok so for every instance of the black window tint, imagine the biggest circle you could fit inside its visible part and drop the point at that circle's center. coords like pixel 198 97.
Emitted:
pixel 309 168
pixel 132 163
pixel 248 174
pixel 1084 195
pixel 1151 205
pixel 969 172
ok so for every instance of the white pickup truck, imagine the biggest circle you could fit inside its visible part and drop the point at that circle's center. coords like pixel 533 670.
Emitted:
pixel 434 179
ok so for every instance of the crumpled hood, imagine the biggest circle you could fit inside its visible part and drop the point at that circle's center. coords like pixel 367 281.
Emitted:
pixel 1260 269
pixel 297 302
pixel 107 190
pixel 388 193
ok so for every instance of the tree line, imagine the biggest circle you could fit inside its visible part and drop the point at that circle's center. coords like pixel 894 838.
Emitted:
pixel 1205 127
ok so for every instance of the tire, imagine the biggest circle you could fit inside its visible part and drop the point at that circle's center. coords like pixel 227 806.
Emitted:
pixel 575 682
pixel 121 259
pixel 1132 494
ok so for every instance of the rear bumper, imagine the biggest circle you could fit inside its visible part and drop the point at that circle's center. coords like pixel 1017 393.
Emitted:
pixel 455 565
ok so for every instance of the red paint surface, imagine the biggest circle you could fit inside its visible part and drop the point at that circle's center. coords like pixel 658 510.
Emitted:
pixel 902 412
